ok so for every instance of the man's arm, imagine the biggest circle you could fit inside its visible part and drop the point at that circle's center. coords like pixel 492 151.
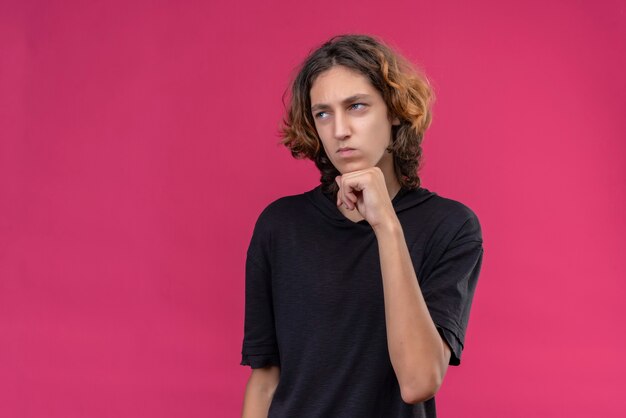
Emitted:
pixel 418 353
pixel 260 391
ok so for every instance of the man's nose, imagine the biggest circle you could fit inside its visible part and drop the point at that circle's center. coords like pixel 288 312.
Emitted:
pixel 342 126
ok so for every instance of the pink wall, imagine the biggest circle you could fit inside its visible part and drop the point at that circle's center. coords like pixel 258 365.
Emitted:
pixel 137 149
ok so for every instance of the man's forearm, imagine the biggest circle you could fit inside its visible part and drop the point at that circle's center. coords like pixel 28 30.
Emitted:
pixel 257 398
pixel 415 347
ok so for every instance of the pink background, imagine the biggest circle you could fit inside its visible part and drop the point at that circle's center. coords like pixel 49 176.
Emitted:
pixel 138 148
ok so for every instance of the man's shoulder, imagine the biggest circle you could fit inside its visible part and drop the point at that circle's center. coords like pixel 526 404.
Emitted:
pixel 281 208
pixel 281 205
pixel 449 208
pixel 454 219
pixel 454 207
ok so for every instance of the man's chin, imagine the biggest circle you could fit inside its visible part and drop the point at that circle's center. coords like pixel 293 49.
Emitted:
pixel 352 167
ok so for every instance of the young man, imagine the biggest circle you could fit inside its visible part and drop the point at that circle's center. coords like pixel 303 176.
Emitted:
pixel 358 291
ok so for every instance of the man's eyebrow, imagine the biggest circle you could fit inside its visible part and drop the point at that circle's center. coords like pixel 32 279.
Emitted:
pixel 344 101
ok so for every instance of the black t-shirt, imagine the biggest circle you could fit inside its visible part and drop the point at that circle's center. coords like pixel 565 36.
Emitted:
pixel 314 302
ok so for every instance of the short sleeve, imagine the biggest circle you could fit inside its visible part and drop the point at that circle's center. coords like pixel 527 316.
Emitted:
pixel 259 347
pixel 448 286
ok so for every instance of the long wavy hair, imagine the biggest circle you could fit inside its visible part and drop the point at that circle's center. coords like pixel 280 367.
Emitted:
pixel 404 88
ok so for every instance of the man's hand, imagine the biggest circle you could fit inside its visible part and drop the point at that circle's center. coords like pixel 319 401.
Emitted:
pixel 365 190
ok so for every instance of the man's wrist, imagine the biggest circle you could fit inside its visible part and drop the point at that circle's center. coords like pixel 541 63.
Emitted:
pixel 390 227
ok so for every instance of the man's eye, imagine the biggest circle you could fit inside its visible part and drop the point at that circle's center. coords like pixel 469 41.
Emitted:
pixel 320 115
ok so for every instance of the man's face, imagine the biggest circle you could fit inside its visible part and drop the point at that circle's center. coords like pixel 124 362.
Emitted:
pixel 349 112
